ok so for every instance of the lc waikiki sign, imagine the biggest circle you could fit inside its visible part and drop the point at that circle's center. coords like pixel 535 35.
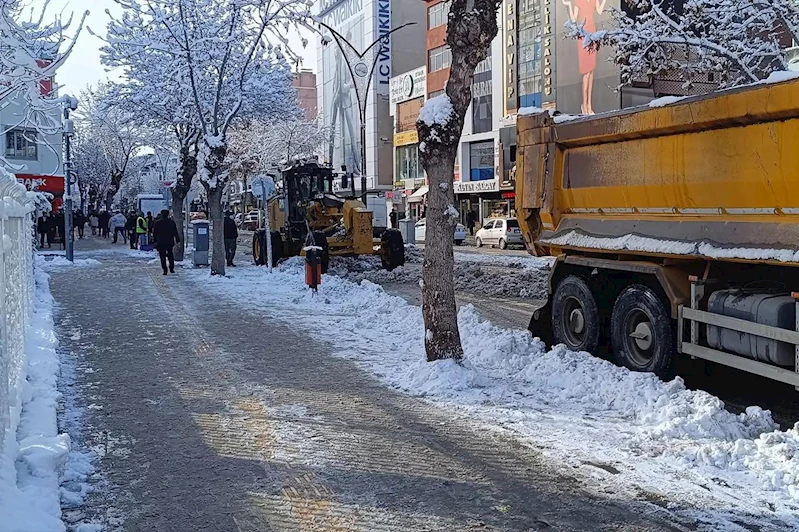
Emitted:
pixel 383 68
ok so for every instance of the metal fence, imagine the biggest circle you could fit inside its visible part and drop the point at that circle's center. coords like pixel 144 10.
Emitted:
pixel 16 304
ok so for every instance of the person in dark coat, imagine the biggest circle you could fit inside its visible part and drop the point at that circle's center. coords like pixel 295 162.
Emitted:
pixel 42 224
pixel 130 228
pixel 150 227
pixel 61 223
pixel 470 221
pixel 231 235
pixel 393 217
pixel 80 222
pixel 105 217
pixel 165 235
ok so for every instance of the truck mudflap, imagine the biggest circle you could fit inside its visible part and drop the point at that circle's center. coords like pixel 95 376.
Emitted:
pixel 541 324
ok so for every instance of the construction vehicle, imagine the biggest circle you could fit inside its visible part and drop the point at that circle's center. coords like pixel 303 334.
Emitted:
pixel 674 227
pixel 306 211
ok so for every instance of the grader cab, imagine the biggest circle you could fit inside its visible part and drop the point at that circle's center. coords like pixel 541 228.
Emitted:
pixel 307 212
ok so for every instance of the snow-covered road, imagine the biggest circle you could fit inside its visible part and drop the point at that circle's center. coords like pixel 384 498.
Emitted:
pixel 629 435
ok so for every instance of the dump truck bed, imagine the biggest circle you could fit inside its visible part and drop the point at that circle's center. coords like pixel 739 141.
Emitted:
pixel 715 176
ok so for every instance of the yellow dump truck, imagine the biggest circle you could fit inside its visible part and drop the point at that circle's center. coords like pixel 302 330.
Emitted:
pixel 675 229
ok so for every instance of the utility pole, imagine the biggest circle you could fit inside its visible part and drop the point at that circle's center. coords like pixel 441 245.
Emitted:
pixel 70 104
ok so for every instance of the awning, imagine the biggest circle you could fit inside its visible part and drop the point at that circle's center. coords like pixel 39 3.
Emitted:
pixel 419 194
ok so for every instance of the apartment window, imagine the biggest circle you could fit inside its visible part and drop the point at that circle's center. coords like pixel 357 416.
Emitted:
pixel 439 58
pixel 530 75
pixel 408 166
pixel 437 15
pixel 21 144
pixel 435 93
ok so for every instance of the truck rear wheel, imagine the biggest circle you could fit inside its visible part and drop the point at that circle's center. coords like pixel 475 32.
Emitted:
pixel 258 255
pixel 640 331
pixel 575 315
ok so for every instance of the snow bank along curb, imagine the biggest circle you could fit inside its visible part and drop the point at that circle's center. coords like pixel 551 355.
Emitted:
pixel 29 478
pixel 571 405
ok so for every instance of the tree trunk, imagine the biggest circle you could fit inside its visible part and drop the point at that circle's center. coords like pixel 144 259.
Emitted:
pixel 471 26
pixel 442 338
pixel 217 230
pixel 188 169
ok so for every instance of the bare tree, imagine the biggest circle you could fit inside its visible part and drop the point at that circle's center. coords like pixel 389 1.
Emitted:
pixel 471 26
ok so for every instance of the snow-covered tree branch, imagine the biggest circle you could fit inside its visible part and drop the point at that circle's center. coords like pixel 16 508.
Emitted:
pixel 740 41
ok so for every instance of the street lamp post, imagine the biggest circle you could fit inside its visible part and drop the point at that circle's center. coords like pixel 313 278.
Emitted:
pixel 70 104
pixel 361 72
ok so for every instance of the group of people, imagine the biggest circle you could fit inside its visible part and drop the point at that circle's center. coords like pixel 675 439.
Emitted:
pixel 52 227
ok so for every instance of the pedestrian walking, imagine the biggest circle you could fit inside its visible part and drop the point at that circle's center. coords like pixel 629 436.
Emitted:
pixel 130 228
pixel 117 225
pixel 94 222
pixel 470 222
pixel 165 235
pixel 104 218
pixel 393 217
pixel 231 236
pixel 141 230
pixel 61 224
pixel 42 225
pixel 80 222
pixel 149 227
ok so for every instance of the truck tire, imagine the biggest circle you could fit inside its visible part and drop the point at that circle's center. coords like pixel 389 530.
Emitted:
pixel 392 249
pixel 575 315
pixel 641 332
pixel 320 240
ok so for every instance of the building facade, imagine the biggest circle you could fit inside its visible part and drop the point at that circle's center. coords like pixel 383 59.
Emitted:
pixel 407 97
pixel 36 157
pixel 361 22
pixel 305 84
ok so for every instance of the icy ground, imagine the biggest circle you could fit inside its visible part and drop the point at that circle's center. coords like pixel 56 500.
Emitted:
pixel 628 435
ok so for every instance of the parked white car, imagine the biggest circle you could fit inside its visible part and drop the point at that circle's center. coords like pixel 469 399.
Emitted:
pixel 501 232
pixel 458 237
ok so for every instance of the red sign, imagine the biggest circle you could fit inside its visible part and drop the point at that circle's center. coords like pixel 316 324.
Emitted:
pixel 42 183
pixel 508 195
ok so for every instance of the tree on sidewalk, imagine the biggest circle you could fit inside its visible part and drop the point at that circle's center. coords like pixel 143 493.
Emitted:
pixel 471 26
pixel 218 48
pixel 740 41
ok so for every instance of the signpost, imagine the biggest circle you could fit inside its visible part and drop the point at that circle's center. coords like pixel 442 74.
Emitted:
pixel 263 188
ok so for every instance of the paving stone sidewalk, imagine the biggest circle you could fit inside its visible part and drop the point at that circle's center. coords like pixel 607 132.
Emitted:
pixel 209 416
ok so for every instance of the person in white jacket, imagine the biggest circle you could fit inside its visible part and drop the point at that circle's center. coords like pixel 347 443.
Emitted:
pixel 117 225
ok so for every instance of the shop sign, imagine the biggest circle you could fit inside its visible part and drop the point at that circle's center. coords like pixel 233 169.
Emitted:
pixel 37 183
pixel 475 187
pixel 408 86
pixel 549 38
pixel 406 137
pixel 508 195
pixel 509 62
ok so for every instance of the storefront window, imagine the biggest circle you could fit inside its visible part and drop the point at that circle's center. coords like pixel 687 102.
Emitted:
pixel 481 159
pixel 408 163
pixel 502 208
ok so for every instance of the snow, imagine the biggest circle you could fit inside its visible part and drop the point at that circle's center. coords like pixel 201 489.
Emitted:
pixel 32 503
pixel 57 261
pixel 778 77
pixel 443 186
pixel 632 242
pixel 678 444
pixel 666 100
pixel 436 110
pixel 558 118
pixel 524 111
pixel 561 118
pixel 452 212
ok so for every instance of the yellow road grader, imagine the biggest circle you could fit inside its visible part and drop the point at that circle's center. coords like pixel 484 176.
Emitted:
pixel 306 211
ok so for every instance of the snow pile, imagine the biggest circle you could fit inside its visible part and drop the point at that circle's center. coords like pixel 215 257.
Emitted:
pixel 632 242
pixel 31 501
pixel 778 77
pixel 60 261
pixel 666 100
pixel 413 254
pixel 572 406
pixel 436 110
